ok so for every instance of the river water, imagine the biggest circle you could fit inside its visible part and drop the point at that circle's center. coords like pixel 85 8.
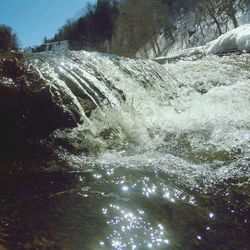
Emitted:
pixel 159 159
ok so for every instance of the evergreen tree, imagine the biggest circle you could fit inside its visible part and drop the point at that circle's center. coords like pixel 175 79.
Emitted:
pixel 92 29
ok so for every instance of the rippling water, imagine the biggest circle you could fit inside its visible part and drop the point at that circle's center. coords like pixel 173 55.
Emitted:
pixel 120 208
pixel 159 160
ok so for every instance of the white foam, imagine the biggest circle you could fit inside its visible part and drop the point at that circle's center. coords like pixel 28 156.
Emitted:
pixel 181 118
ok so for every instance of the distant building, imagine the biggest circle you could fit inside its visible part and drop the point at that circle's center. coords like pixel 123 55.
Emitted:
pixel 53 46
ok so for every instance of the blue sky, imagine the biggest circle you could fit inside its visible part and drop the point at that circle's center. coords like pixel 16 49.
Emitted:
pixel 32 20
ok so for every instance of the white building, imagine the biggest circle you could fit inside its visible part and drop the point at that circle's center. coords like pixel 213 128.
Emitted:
pixel 57 46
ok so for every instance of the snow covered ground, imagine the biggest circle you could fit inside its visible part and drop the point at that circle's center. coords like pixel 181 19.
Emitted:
pixel 236 39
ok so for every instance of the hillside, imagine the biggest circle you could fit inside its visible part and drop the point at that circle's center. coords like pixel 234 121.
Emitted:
pixel 192 33
pixel 152 28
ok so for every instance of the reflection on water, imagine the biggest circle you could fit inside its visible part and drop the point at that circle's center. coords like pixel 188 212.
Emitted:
pixel 131 230
pixel 120 209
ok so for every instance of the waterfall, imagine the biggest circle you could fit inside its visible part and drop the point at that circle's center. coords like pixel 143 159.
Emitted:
pixel 185 117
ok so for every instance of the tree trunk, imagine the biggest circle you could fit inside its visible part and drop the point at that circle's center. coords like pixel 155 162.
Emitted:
pixel 217 24
pixel 157 45
pixel 234 21
pixel 153 46
pixel 231 14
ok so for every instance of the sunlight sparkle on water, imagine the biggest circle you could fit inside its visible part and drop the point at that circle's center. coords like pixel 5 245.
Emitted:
pixel 198 237
pixel 97 176
pixel 130 230
pixel 211 215
pixel 125 188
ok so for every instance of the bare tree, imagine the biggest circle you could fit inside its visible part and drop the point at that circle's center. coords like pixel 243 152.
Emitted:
pixel 231 7
pixel 8 39
pixel 213 9
pixel 220 11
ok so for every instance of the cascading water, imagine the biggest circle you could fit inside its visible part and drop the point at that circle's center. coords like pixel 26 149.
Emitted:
pixel 154 145
pixel 191 113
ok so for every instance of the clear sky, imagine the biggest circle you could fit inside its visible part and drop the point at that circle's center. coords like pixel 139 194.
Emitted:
pixel 32 20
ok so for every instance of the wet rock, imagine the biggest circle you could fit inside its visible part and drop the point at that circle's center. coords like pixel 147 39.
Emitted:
pixel 28 111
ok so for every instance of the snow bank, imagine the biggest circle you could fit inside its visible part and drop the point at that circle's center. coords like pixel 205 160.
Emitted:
pixel 238 38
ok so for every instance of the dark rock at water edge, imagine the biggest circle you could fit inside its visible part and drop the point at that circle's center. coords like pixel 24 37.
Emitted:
pixel 28 111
